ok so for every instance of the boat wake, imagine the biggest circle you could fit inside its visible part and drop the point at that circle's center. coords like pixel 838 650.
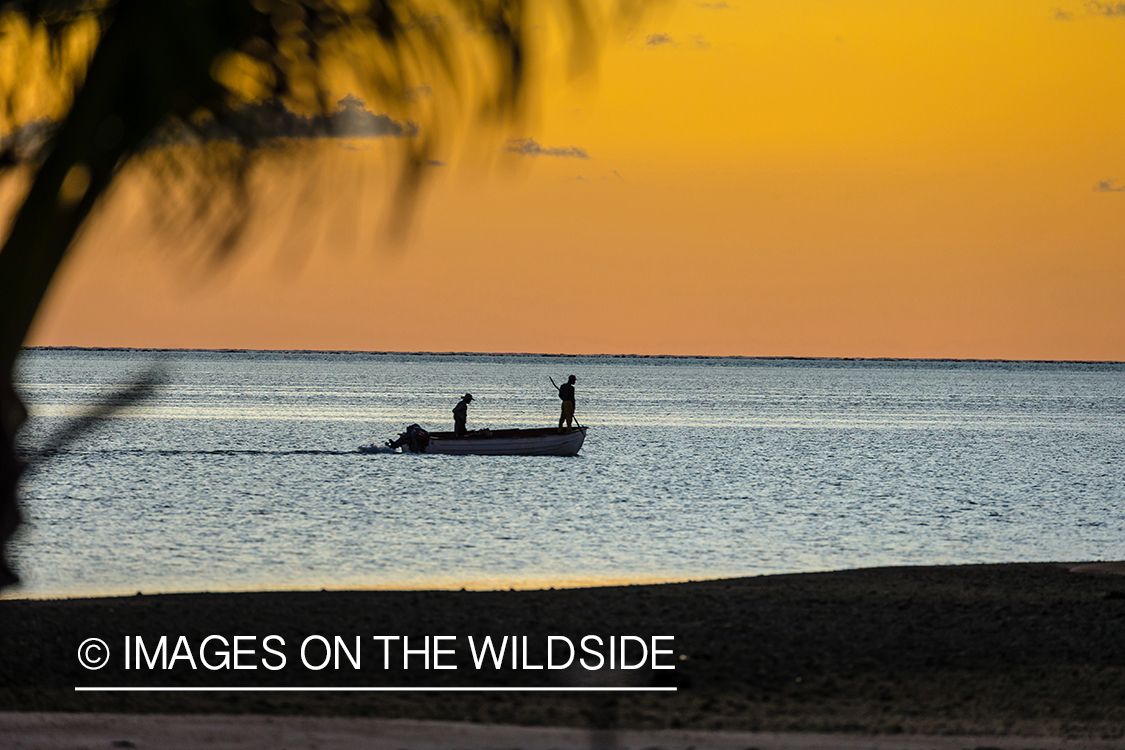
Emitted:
pixel 216 452
pixel 372 448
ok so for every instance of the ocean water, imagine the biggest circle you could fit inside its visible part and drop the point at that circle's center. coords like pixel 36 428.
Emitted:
pixel 242 471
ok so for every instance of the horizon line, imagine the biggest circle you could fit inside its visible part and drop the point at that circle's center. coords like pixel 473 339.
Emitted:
pixel 563 355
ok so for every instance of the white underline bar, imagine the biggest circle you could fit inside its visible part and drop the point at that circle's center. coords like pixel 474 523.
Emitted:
pixel 374 689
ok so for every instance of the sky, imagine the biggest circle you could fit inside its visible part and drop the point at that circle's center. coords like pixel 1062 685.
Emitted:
pixel 814 178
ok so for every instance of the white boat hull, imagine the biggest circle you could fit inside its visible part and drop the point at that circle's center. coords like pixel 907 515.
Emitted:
pixel 546 441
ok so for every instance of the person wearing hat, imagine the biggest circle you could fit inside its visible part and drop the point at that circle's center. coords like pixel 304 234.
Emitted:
pixel 461 415
pixel 566 393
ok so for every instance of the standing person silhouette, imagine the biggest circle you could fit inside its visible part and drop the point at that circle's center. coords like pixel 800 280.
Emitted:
pixel 566 393
pixel 461 415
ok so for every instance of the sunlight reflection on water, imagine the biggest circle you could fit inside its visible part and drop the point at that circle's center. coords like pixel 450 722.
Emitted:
pixel 242 472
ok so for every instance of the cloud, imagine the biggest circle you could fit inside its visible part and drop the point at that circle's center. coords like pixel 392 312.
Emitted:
pixel 721 5
pixel 657 41
pixel 1108 186
pixel 528 147
pixel 353 120
pixel 265 121
pixel 1094 8
pixel 272 120
pixel 1106 9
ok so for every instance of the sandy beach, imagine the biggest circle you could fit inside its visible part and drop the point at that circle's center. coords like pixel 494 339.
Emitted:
pixel 59 731
pixel 1018 650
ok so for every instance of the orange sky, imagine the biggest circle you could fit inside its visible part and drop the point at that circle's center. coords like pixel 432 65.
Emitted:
pixel 769 177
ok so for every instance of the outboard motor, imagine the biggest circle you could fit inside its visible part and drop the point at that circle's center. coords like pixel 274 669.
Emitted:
pixel 415 439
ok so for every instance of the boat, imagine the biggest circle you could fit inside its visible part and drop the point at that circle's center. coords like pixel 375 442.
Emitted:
pixel 540 441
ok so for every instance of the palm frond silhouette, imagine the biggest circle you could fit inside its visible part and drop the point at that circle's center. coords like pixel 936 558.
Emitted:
pixel 124 75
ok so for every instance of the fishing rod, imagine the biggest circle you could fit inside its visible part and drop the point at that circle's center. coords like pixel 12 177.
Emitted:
pixel 557 388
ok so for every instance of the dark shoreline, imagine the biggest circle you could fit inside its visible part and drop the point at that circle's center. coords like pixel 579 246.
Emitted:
pixel 1028 649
